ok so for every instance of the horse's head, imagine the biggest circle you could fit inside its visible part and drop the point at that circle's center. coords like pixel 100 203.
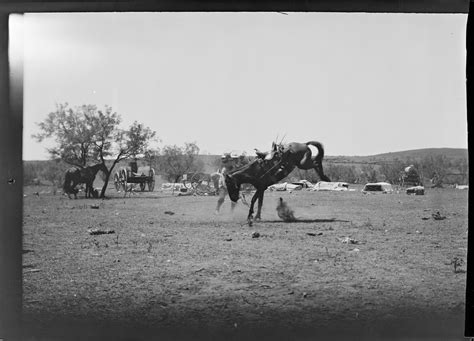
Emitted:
pixel 232 188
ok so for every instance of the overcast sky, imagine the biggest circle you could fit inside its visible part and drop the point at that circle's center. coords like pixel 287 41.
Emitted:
pixel 360 83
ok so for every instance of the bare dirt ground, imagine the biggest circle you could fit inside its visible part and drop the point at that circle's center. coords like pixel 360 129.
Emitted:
pixel 172 269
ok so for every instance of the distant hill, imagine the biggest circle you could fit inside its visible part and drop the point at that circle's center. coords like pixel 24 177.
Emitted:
pixel 210 161
pixel 450 153
pixel 414 154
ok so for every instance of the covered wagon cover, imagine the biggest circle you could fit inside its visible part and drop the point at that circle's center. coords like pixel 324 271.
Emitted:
pixel 382 187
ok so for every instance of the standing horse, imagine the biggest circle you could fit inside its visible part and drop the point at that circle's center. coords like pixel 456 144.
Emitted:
pixel 86 175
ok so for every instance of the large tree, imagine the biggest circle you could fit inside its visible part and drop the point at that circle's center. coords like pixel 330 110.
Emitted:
pixel 175 161
pixel 72 133
pixel 86 134
pixel 111 142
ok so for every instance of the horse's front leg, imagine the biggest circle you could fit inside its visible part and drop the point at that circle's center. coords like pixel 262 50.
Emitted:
pixel 260 204
pixel 252 203
pixel 89 190
pixel 73 188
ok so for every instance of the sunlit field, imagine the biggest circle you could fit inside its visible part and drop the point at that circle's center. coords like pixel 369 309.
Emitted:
pixel 354 264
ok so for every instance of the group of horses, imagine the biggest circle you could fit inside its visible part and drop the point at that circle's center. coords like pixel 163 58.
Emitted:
pixel 82 175
pixel 271 167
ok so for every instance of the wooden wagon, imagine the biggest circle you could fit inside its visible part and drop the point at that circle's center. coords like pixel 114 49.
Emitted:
pixel 132 174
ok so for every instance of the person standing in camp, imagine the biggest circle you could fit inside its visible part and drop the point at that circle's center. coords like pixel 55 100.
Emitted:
pixel 229 162
pixel 227 166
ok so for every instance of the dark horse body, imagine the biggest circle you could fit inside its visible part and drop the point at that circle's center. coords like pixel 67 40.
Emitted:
pixel 269 168
pixel 86 175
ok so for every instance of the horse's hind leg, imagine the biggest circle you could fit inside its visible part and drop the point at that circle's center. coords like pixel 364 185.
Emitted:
pixel 259 207
pixel 88 191
pixel 252 203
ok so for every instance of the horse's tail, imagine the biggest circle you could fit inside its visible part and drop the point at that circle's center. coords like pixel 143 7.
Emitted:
pixel 320 147
pixel 318 160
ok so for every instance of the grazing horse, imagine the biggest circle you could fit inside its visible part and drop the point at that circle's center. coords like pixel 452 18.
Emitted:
pixel 85 175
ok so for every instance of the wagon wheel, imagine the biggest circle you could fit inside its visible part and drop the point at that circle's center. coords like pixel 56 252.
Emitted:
pixel 151 182
pixel 199 189
pixel 123 178
pixel 117 182
pixel 201 184
pixel 195 181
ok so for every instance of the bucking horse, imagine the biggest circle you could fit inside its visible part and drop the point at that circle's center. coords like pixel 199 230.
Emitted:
pixel 270 167
pixel 84 175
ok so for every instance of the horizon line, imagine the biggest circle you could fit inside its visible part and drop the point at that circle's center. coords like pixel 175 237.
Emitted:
pixel 326 156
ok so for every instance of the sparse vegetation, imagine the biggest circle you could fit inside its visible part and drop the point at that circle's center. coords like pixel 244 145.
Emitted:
pixel 352 169
pixel 194 261
pixel 174 161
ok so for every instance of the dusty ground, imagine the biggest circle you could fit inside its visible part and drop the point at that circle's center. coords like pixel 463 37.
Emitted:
pixel 192 274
